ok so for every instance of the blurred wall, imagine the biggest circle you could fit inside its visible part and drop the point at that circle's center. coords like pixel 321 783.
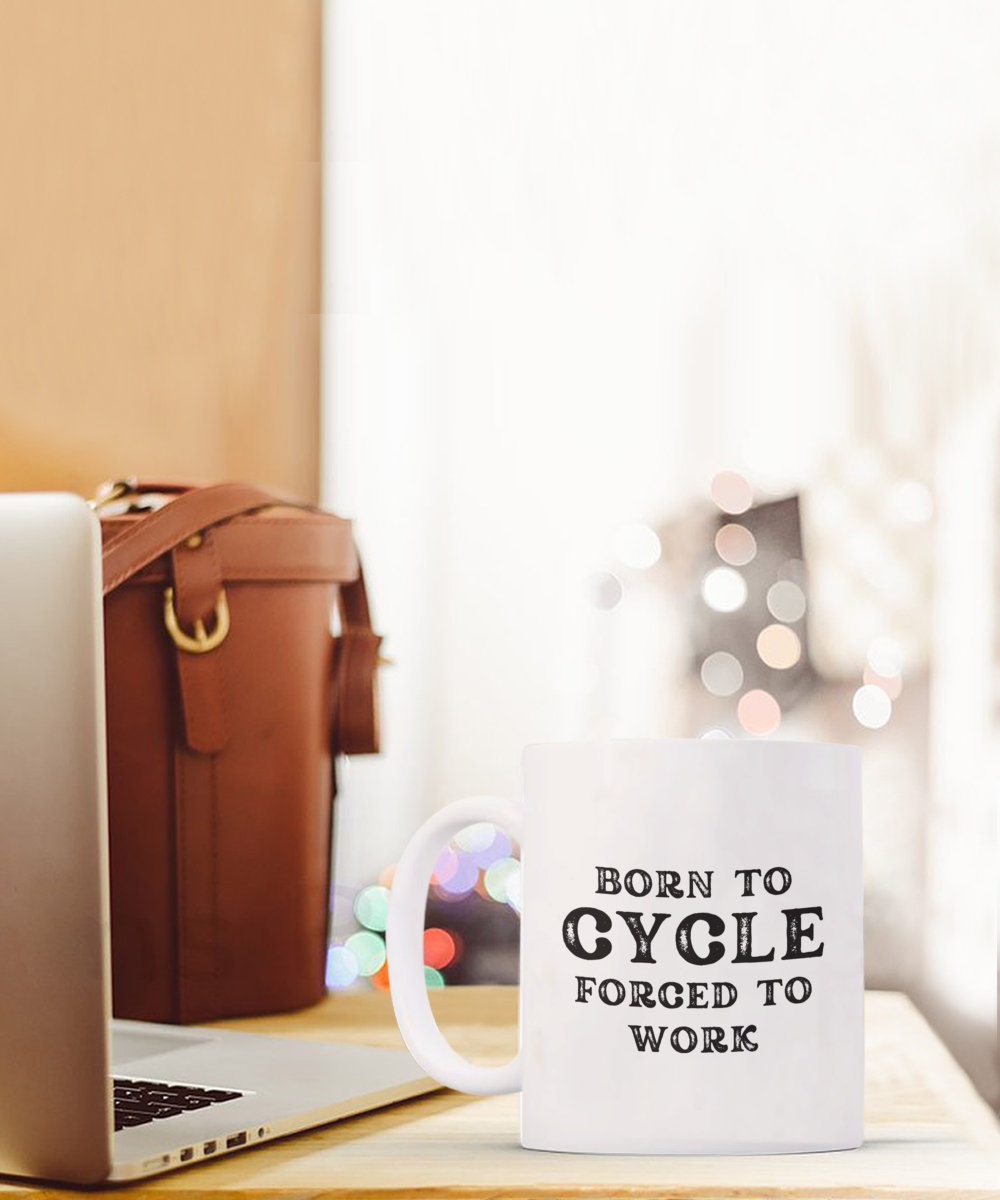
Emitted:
pixel 159 241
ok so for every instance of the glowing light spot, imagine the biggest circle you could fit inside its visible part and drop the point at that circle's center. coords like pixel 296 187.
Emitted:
pixel 445 866
pixel 514 891
pixel 758 712
pixel 498 877
pixel 368 950
pixel 381 978
pixel 475 837
pixel 872 706
pixel 786 601
pixel 885 657
pixel 604 590
pixel 433 978
pixel 439 947
pixel 722 674
pixel 779 647
pixel 724 589
pixel 462 881
pixel 731 492
pixel 715 735
pixel 736 545
pixel 371 907
pixel 499 847
pixel 341 967
pixel 638 546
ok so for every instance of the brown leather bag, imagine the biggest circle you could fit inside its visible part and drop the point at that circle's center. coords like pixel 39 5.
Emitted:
pixel 227 698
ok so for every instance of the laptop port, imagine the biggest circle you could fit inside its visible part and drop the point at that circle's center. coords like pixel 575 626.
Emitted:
pixel 238 1139
pixel 187 1154
pixel 210 1147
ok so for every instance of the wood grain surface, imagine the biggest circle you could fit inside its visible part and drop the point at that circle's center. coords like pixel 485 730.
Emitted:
pixel 928 1134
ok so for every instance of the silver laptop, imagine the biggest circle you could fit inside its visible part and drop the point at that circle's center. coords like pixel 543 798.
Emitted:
pixel 83 1098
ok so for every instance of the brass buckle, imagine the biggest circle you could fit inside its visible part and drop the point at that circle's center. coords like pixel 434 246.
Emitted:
pixel 202 641
pixel 111 490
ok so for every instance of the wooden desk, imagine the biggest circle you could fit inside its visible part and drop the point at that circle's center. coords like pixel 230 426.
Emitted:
pixel 928 1134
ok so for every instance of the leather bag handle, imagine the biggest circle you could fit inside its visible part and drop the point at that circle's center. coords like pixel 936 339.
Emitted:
pixel 189 512
pixel 355 724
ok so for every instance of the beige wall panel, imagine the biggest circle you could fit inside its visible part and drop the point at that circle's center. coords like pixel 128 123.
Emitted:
pixel 159 241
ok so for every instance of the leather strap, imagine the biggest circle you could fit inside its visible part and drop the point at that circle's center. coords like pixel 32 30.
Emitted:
pixel 197 584
pixel 188 513
pixel 355 725
pixel 355 710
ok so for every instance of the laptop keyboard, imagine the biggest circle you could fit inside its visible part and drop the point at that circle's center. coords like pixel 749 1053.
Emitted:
pixel 139 1101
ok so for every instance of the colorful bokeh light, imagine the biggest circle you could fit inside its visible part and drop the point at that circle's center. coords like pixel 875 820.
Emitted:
pixel 758 712
pixel 498 876
pixel 731 492
pixel 779 647
pixel 341 967
pixel 445 866
pixel 475 837
pixel 461 881
pixel 736 545
pixel 371 907
pixel 439 948
pixel 368 950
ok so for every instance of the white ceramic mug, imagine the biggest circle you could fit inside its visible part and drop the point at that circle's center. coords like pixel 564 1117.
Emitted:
pixel 691 947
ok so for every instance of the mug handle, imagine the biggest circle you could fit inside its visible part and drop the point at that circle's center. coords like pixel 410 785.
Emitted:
pixel 405 947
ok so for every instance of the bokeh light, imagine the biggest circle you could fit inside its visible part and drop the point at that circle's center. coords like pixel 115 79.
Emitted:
pixel 463 879
pixel 786 601
pixel 872 706
pixel 499 847
pixel 758 712
pixel 721 673
pixel 368 950
pixel 433 978
pixel 731 492
pixel 371 907
pixel 604 590
pixel 885 656
pixel 779 647
pixel 445 866
pixel 439 947
pixel 637 546
pixel 381 977
pixel 724 589
pixel 498 876
pixel 341 967
pixel 475 837
pixel 715 735
pixel 514 889
pixel 736 545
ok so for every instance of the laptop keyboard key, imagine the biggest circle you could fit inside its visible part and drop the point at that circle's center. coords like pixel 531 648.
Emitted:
pixel 124 1120
pixel 139 1101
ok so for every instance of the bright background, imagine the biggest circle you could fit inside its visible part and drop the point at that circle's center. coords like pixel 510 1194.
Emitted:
pixel 580 258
